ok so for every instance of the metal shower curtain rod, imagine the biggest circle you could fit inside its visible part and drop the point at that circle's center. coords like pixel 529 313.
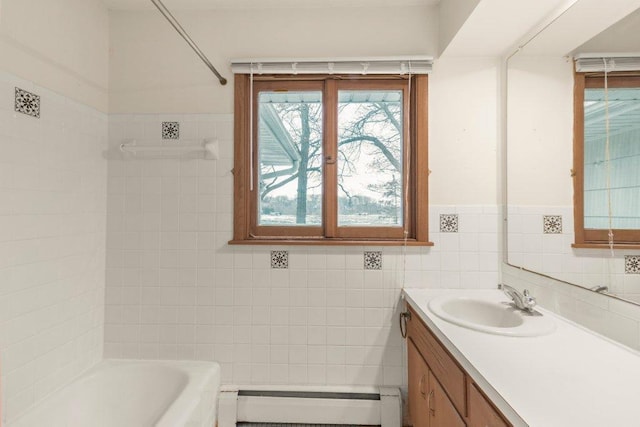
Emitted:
pixel 172 20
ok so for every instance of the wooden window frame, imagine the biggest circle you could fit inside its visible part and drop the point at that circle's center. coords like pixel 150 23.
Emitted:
pixel 415 209
pixel 594 238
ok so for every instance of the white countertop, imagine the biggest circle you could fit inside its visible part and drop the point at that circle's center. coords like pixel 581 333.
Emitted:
pixel 571 377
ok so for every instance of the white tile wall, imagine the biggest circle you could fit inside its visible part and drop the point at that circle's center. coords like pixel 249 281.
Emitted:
pixel 52 244
pixel 611 317
pixel 553 254
pixel 175 289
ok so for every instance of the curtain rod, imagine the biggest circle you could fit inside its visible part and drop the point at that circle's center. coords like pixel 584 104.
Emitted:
pixel 172 20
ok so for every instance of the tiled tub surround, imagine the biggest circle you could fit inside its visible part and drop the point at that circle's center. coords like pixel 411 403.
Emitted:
pixel 537 245
pixel 176 289
pixel 53 182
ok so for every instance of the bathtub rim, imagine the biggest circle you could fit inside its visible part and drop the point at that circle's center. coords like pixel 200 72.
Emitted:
pixel 198 373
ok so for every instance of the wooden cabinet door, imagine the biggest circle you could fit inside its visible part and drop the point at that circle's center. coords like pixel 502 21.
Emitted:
pixel 418 384
pixel 481 413
pixel 442 413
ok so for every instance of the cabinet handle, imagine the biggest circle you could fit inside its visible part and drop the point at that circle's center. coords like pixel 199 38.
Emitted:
pixel 429 398
pixel 404 316
pixel 421 386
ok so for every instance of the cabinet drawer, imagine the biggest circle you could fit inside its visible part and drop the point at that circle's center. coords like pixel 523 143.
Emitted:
pixel 445 369
pixel 481 412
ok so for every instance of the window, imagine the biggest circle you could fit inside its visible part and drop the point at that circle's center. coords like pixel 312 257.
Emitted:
pixel 330 159
pixel 607 159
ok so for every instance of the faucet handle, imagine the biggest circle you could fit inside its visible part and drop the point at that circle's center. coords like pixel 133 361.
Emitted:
pixel 528 300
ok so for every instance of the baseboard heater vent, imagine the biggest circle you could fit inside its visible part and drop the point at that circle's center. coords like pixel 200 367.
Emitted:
pixel 310 394
pixel 308 407
pixel 296 425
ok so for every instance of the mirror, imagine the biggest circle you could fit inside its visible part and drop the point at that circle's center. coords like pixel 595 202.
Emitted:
pixel 539 159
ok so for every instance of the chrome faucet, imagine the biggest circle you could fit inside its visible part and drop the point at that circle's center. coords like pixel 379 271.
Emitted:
pixel 522 301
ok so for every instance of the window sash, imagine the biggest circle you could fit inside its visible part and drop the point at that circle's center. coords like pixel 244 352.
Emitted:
pixel 395 232
pixel 280 230
pixel 329 227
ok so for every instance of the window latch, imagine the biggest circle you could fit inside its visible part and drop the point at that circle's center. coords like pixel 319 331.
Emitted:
pixel 330 160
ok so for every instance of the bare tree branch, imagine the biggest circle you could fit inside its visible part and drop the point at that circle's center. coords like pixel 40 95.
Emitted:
pixel 344 190
pixel 273 187
pixel 379 145
pixel 390 116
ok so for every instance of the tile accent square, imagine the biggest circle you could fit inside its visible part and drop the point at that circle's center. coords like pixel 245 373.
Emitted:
pixel 27 103
pixel 552 224
pixel 373 260
pixel 449 223
pixel 279 259
pixel 170 130
pixel 632 264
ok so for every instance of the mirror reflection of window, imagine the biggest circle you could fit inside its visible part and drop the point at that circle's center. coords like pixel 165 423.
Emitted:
pixel 622 176
pixel 606 157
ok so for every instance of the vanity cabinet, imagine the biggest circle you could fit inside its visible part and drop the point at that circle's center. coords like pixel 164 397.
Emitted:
pixel 483 412
pixel 441 393
pixel 430 406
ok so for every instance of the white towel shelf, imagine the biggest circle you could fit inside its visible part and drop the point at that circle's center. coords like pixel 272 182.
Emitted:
pixel 208 148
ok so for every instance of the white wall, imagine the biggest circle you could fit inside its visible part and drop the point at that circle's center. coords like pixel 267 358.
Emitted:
pixel 463 131
pixel 61 45
pixel 52 244
pixel 176 289
pixel 540 131
pixel 174 286
pixel 52 196
pixel 153 70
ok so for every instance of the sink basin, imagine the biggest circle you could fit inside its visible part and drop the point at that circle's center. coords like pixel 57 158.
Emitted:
pixel 490 315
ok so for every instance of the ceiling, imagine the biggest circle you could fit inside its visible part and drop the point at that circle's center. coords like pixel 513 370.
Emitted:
pixel 584 21
pixel 494 26
pixel 260 4
pixel 617 38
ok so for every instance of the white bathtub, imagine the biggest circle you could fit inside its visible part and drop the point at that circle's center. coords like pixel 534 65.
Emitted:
pixel 126 393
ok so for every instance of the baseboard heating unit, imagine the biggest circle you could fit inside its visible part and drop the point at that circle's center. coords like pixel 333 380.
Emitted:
pixel 261 406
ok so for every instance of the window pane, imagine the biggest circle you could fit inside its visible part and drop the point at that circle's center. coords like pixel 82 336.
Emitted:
pixel 290 158
pixel 624 149
pixel 370 174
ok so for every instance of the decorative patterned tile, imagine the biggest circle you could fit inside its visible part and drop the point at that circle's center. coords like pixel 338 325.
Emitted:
pixel 373 260
pixel 27 103
pixel 279 259
pixel 632 264
pixel 449 223
pixel 552 224
pixel 170 130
